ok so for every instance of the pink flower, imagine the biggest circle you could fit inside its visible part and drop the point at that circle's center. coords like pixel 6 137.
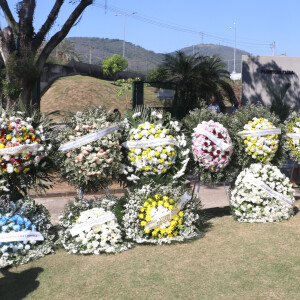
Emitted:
pixel 109 161
pixel 68 154
pixel 103 126
pixel 84 152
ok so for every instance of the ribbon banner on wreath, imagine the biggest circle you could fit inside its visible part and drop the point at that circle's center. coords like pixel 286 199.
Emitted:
pixel 150 143
pixel 260 132
pixel 92 223
pixel 168 217
pixel 21 236
pixel 89 138
pixel 258 183
pixel 19 149
pixel 219 142
pixel 294 136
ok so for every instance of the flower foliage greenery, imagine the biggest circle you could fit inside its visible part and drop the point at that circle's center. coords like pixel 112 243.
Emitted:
pixel 291 145
pixel 252 203
pixel 96 164
pixel 23 215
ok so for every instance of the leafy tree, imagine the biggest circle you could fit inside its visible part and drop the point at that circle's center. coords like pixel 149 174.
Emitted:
pixel 157 75
pixel 112 66
pixel 198 79
pixel 278 106
pixel 20 44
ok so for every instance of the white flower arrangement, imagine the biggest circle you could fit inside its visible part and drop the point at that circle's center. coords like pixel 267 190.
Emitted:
pixel 90 227
pixel 262 194
pixel 94 165
pixel 154 147
pixel 264 147
pixel 24 216
pixel 292 137
pixel 159 205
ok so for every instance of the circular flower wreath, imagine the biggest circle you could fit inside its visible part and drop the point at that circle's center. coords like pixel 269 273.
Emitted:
pixel 251 202
pixel 292 140
pixel 261 148
pixel 94 165
pixel 78 233
pixel 24 215
pixel 154 147
pixel 209 154
pixel 211 161
pixel 152 215
pixel 242 157
pixel 24 147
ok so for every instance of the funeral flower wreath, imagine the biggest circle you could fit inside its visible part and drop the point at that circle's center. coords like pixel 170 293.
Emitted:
pixel 91 227
pixel 20 221
pixel 95 162
pixel 24 148
pixel 161 214
pixel 155 146
pixel 292 136
pixel 211 145
pixel 262 193
pixel 256 137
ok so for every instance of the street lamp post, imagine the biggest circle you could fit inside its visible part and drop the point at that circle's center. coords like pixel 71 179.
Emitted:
pixel 116 15
pixel 234 51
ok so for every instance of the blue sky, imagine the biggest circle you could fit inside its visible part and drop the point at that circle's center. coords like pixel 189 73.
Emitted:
pixel 168 25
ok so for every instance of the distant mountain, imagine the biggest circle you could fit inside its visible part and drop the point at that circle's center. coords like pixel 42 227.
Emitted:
pixel 225 52
pixel 142 60
pixel 139 59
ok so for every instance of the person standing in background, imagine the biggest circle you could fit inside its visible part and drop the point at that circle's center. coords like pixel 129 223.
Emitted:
pixel 214 106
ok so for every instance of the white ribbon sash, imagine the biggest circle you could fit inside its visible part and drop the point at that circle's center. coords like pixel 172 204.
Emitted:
pixel 259 132
pixel 219 142
pixel 258 183
pixel 21 236
pixel 19 149
pixel 170 214
pixel 89 138
pixel 150 143
pixel 294 136
pixel 109 216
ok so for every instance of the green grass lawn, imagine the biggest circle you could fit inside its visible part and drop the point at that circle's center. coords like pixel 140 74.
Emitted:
pixel 232 261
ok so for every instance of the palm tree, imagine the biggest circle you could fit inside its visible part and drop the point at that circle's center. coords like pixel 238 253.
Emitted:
pixel 198 79
pixel 65 52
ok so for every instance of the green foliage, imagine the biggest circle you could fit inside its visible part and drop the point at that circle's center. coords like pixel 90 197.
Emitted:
pixel 157 75
pixel 125 85
pixel 64 53
pixel 278 106
pixel 114 65
pixel 198 79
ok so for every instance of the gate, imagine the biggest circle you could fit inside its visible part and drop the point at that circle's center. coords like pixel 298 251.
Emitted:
pixel 160 95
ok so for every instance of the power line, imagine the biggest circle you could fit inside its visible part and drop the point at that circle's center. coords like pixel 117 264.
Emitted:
pixel 162 24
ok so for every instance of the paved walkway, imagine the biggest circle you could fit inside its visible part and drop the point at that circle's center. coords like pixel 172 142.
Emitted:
pixel 210 197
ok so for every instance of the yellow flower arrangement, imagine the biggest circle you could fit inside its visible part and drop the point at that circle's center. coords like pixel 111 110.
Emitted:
pixel 156 208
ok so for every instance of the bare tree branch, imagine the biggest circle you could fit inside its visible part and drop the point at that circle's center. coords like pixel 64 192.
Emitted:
pixel 8 16
pixel 40 36
pixel 7 43
pixel 60 35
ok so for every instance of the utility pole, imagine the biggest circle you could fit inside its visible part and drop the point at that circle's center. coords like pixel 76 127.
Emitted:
pixel 273 46
pixel 124 15
pixel 90 55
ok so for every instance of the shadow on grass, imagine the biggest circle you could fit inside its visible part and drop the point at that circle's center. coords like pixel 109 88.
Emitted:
pixel 16 286
pixel 217 212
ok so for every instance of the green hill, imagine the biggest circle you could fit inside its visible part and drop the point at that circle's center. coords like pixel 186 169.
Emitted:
pixel 142 60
